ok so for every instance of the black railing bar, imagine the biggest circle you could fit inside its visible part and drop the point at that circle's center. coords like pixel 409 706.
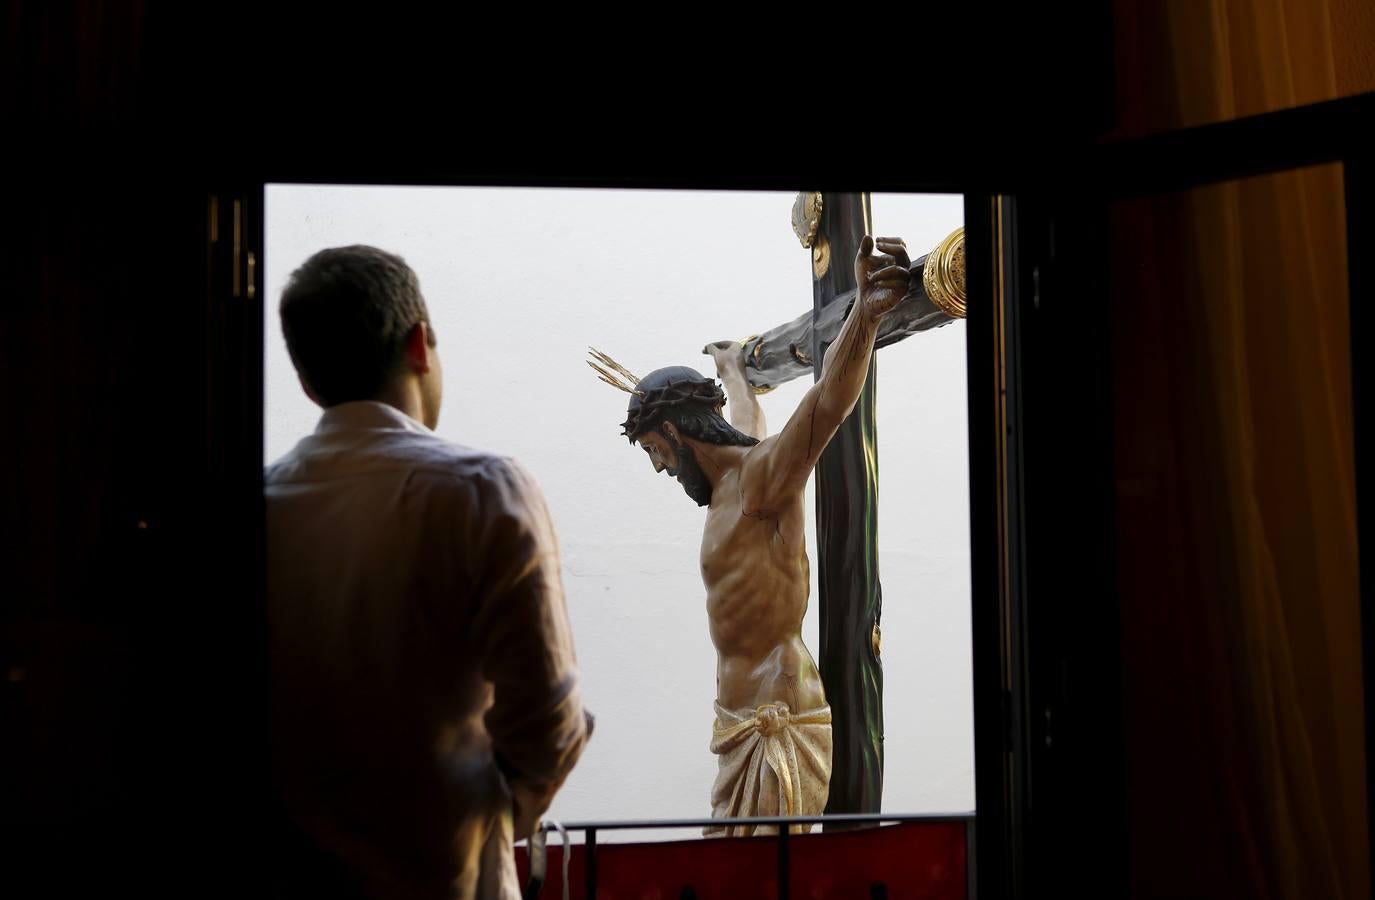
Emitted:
pixel 838 819
pixel 784 870
pixel 590 864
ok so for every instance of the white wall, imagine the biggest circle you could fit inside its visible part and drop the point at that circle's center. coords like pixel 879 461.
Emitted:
pixel 519 283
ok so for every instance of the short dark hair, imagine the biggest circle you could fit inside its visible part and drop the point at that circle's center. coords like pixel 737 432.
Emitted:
pixel 688 399
pixel 345 314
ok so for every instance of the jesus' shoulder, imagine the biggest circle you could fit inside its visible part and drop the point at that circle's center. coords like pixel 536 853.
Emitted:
pixel 773 475
pixel 757 519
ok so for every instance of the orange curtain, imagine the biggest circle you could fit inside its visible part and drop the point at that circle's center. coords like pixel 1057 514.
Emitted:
pixel 1243 715
pixel 1182 63
pixel 1237 539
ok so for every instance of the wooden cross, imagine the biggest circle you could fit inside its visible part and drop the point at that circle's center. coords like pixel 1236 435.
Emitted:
pixel 849 593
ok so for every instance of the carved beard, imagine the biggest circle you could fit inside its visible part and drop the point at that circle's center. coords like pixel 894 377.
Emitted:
pixel 690 475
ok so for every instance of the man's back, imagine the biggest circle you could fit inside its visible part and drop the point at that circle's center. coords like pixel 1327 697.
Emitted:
pixel 418 635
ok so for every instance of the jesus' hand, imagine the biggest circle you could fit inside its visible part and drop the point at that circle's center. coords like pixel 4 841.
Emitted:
pixel 729 357
pixel 882 279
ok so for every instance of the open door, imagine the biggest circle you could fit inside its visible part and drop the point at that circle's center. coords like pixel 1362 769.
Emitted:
pixel 1186 634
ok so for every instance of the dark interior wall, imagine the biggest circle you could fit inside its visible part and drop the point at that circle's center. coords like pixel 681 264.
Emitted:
pixel 132 751
pixel 74 62
pixel 99 590
pixel 117 593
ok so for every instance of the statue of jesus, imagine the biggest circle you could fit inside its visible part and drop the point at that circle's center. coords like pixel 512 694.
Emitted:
pixel 772 733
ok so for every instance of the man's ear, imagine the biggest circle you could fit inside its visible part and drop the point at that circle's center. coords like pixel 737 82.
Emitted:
pixel 671 430
pixel 418 348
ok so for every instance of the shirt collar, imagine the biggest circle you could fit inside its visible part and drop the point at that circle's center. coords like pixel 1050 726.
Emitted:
pixel 367 415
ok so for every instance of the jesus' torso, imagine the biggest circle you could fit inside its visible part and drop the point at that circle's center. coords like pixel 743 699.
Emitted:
pixel 757 579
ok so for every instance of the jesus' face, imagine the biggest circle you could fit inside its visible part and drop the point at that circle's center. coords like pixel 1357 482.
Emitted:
pixel 678 460
pixel 661 450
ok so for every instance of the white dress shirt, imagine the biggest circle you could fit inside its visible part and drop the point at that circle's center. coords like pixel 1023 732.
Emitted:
pixel 420 647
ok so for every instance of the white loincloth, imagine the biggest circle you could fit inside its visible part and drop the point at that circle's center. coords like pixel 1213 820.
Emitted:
pixel 772 762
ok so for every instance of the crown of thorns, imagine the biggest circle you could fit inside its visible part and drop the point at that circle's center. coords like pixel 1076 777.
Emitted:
pixel 647 404
pixel 640 418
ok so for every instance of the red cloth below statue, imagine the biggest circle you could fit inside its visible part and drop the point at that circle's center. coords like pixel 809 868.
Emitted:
pixel 920 860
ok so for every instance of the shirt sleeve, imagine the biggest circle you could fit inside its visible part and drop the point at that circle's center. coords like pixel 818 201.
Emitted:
pixel 537 721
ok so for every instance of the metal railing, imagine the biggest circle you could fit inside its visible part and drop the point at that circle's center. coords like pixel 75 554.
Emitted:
pixel 591 829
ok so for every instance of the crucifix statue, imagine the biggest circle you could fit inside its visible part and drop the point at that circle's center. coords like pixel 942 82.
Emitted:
pixel 773 733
